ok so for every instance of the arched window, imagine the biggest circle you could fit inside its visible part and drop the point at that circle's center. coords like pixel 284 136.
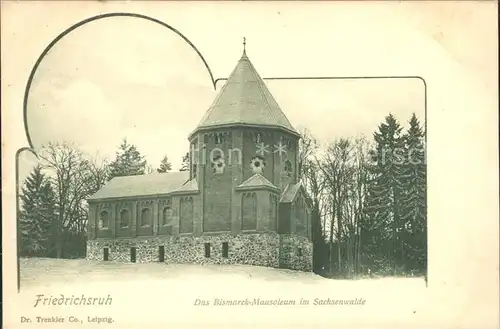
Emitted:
pixel 273 210
pixel 288 168
pixel 307 222
pixel 249 209
pixel 258 138
pixel 195 170
pixel 103 219
pixel 145 217
pixel 270 206
pixel 167 215
pixel 300 215
pixel 219 138
pixel 124 218
pixel 276 205
pixel 186 215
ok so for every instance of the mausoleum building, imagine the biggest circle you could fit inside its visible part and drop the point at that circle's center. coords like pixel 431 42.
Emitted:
pixel 241 202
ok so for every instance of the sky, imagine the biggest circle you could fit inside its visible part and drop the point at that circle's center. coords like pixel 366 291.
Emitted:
pixel 131 78
pixel 128 77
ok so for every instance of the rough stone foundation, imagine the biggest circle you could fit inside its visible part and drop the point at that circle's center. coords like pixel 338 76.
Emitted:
pixel 296 253
pixel 263 249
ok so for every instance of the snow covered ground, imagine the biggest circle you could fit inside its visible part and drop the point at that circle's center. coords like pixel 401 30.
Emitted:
pixel 184 296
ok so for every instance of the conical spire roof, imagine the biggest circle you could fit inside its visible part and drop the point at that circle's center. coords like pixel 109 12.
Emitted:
pixel 245 100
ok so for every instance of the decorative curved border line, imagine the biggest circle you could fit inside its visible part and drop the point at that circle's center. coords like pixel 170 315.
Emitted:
pixel 18 230
pixel 214 83
pixel 357 78
pixel 75 26
pixel 28 87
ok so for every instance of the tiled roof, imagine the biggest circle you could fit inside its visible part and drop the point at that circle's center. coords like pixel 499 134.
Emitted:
pixel 141 185
pixel 245 100
pixel 290 192
pixel 256 180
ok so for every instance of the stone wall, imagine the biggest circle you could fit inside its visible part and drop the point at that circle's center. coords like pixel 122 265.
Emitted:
pixel 250 249
pixel 262 249
pixel 296 253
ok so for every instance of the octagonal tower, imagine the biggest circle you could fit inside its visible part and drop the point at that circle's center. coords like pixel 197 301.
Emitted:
pixel 244 147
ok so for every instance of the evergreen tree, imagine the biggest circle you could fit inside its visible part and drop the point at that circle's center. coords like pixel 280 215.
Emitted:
pixel 185 163
pixel 414 203
pixel 165 165
pixel 37 215
pixel 128 161
pixel 382 223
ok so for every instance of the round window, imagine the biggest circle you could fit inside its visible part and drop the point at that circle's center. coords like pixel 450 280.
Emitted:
pixel 257 164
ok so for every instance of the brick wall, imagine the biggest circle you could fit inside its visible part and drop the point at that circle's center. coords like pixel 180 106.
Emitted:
pixel 217 186
pixel 218 208
pixel 134 208
pixel 186 214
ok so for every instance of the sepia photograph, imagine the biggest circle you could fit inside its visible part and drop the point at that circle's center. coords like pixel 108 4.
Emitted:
pixel 254 170
pixel 251 189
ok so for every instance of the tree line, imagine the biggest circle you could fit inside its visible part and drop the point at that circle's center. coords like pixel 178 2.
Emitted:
pixel 53 209
pixel 368 201
pixel 367 198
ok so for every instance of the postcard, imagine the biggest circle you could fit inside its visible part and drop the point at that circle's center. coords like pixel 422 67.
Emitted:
pixel 250 164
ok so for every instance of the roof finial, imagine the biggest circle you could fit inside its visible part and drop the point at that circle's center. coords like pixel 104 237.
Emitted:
pixel 244 45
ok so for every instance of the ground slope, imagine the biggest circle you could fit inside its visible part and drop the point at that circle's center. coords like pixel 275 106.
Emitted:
pixel 47 271
pixel 151 295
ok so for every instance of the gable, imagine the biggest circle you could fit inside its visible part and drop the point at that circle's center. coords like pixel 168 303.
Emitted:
pixel 291 192
pixel 255 182
pixel 189 187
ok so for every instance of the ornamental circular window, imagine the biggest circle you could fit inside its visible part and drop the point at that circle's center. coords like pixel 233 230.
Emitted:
pixel 257 164
pixel 218 164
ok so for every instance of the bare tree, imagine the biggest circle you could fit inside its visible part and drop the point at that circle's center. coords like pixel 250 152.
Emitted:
pixel 75 177
pixel 338 171
pixel 344 166
pixel 313 181
pixel 98 172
